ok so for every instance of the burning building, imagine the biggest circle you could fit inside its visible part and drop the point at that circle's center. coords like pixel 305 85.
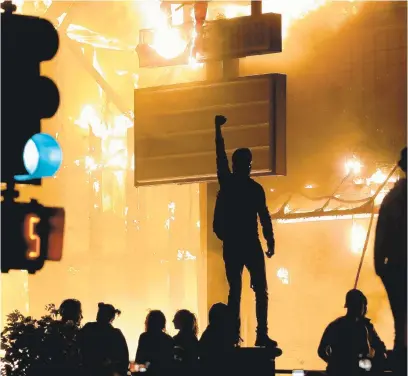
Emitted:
pixel 152 247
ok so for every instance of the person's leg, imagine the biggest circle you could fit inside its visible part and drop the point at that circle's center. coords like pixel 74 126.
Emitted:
pixel 256 267
pixel 234 268
pixel 396 287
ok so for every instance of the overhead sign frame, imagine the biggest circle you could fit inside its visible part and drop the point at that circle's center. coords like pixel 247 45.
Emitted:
pixel 157 142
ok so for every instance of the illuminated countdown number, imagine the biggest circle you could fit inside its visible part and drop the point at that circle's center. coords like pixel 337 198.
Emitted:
pixel 31 237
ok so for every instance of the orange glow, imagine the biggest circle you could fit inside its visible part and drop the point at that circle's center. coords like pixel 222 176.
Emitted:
pixel 379 177
pixel 358 237
pixel 145 250
pixel 353 166
pixel 169 43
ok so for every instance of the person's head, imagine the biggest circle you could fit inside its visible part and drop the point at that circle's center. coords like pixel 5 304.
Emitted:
pixel 106 313
pixel 218 315
pixel 242 162
pixel 71 310
pixel 356 303
pixel 402 163
pixel 185 321
pixel 155 321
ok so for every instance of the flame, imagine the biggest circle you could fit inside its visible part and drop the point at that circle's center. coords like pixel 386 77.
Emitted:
pixel 358 237
pixel 169 42
pixel 380 197
pixel 353 166
pixel 112 135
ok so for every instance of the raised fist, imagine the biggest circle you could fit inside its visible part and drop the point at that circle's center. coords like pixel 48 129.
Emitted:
pixel 220 120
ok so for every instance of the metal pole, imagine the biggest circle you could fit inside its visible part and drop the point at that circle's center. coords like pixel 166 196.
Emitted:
pixel 256 7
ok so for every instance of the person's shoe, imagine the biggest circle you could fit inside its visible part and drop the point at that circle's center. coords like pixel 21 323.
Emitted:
pixel 265 341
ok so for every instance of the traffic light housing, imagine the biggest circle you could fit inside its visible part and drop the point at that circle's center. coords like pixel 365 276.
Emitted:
pixel 30 235
pixel 26 98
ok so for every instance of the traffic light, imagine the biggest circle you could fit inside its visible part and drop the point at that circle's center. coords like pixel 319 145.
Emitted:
pixel 27 155
pixel 30 234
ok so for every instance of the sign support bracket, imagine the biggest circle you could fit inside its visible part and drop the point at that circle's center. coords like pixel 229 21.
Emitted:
pixel 229 68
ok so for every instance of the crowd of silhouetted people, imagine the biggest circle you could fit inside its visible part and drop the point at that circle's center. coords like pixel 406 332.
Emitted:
pixel 350 345
pixel 100 349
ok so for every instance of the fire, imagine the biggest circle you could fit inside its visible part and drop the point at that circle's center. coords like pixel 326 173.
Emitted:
pixel 170 43
pixel 112 135
pixel 358 237
pixel 353 166
pixel 167 40
pixel 380 177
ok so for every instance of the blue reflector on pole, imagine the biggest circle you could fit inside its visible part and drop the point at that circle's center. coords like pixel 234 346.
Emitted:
pixel 42 157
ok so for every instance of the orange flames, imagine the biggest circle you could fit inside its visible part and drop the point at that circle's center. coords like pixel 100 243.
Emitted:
pixel 169 43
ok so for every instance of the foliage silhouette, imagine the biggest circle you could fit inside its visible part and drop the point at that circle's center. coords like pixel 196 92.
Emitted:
pixel 32 346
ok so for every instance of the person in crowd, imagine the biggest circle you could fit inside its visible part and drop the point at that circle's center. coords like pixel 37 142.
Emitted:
pixel 155 348
pixel 350 344
pixel 390 261
pixel 60 344
pixel 186 341
pixel 218 340
pixel 239 203
pixel 104 349
pixel 70 311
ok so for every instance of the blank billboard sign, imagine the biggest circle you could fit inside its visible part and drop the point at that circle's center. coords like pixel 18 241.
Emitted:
pixel 175 135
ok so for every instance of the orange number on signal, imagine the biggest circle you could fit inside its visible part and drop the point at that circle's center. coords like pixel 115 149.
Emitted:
pixel 32 239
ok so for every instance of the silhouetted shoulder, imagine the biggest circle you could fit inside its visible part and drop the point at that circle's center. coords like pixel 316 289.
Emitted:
pixel 397 192
pixel 88 326
pixel 336 323
pixel 169 338
pixel 256 186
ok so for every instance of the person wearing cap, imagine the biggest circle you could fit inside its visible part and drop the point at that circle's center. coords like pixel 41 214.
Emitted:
pixel 351 339
pixel 390 259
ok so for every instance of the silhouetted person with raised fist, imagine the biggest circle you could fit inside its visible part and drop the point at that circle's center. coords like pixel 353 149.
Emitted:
pixel 103 347
pixel 390 261
pixel 240 201
pixel 350 345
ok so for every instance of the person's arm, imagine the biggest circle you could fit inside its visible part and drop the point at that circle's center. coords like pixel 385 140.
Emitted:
pixel 141 350
pixel 266 221
pixel 223 169
pixel 324 346
pixel 122 351
pixel 375 342
pixel 382 238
